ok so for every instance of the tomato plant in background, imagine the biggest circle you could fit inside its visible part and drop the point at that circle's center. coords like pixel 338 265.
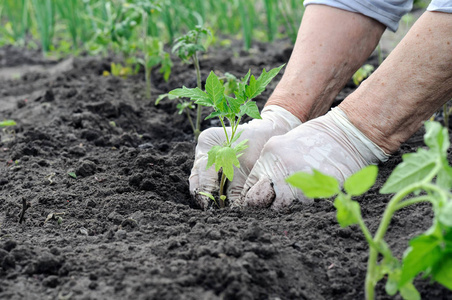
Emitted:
pixel 187 48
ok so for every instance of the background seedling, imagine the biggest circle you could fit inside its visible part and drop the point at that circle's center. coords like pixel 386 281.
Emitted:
pixel 151 47
pixel 362 74
pixel 187 48
pixel 7 123
pixel 225 157
pixel 118 70
pixel 425 175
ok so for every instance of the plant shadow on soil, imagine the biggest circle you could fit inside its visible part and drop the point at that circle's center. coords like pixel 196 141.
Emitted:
pixel 129 228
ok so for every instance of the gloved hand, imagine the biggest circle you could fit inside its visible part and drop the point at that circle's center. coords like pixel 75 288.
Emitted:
pixel 275 121
pixel 329 144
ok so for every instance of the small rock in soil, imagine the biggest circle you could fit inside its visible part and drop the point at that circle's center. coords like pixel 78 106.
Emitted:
pixel 3 254
pixel 87 168
pixel 52 281
pixel 92 285
pixel 77 151
pixel 121 234
pixel 146 146
pixel 48 264
pixel 55 251
pixel 253 232
pixel 9 245
pixel 30 269
pixel 8 262
pixel 21 253
pixel 147 185
pixel 91 134
pixel 214 235
pixel 135 179
pixel 49 96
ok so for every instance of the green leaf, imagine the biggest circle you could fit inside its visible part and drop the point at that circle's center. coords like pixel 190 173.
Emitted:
pixel 212 156
pixel 226 159
pixel 214 115
pixel 236 136
pixel 436 137
pixel 362 74
pixel 409 292
pixel 250 108
pixel 72 174
pixel 391 284
pixel 444 178
pixel 246 78
pixel 215 91
pixel 315 185
pixel 223 158
pixel 443 274
pixel 6 123
pixel 210 196
pixel 389 264
pixel 165 69
pixel 361 181
pixel 207 195
pixel 240 146
pixel 182 106
pixel 424 252
pixel 414 168
pixel 266 78
pixel 153 61
pixel 163 96
pixel 252 89
pixel 234 105
pixel 445 216
pixel 348 211
pixel 196 94
pixel 257 86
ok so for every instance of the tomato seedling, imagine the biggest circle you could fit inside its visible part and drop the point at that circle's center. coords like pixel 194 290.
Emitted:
pixel 427 176
pixel 188 47
pixel 151 47
pixel 225 157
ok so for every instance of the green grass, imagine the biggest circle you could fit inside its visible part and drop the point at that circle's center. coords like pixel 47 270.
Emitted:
pixel 99 26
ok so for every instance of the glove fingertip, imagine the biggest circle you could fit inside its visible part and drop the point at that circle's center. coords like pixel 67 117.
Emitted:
pixel 201 200
pixel 261 194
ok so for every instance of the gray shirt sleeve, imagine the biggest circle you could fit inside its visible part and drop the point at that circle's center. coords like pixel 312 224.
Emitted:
pixel 441 6
pixel 387 12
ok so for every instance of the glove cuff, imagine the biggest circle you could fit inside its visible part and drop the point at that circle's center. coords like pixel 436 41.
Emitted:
pixel 275 111
pixel 359 139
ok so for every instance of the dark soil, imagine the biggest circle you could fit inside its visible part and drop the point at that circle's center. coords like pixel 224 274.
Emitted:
pixel 129 229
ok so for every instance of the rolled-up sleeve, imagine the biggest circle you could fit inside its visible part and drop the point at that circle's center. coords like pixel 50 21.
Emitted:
pixel 441 6
pixel 387 12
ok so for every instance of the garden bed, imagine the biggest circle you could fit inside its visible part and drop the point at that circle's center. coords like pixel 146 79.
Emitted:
pixel 129 229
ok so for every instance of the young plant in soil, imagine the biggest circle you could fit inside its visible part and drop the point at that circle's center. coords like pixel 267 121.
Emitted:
pixel 7 123
pixel 188 47
pixel 152 49
pixel 232 109
pixel 425 175
pixel 154 55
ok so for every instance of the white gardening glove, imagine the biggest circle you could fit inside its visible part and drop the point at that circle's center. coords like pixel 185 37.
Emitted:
pixel 275 121
pixel 329 144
